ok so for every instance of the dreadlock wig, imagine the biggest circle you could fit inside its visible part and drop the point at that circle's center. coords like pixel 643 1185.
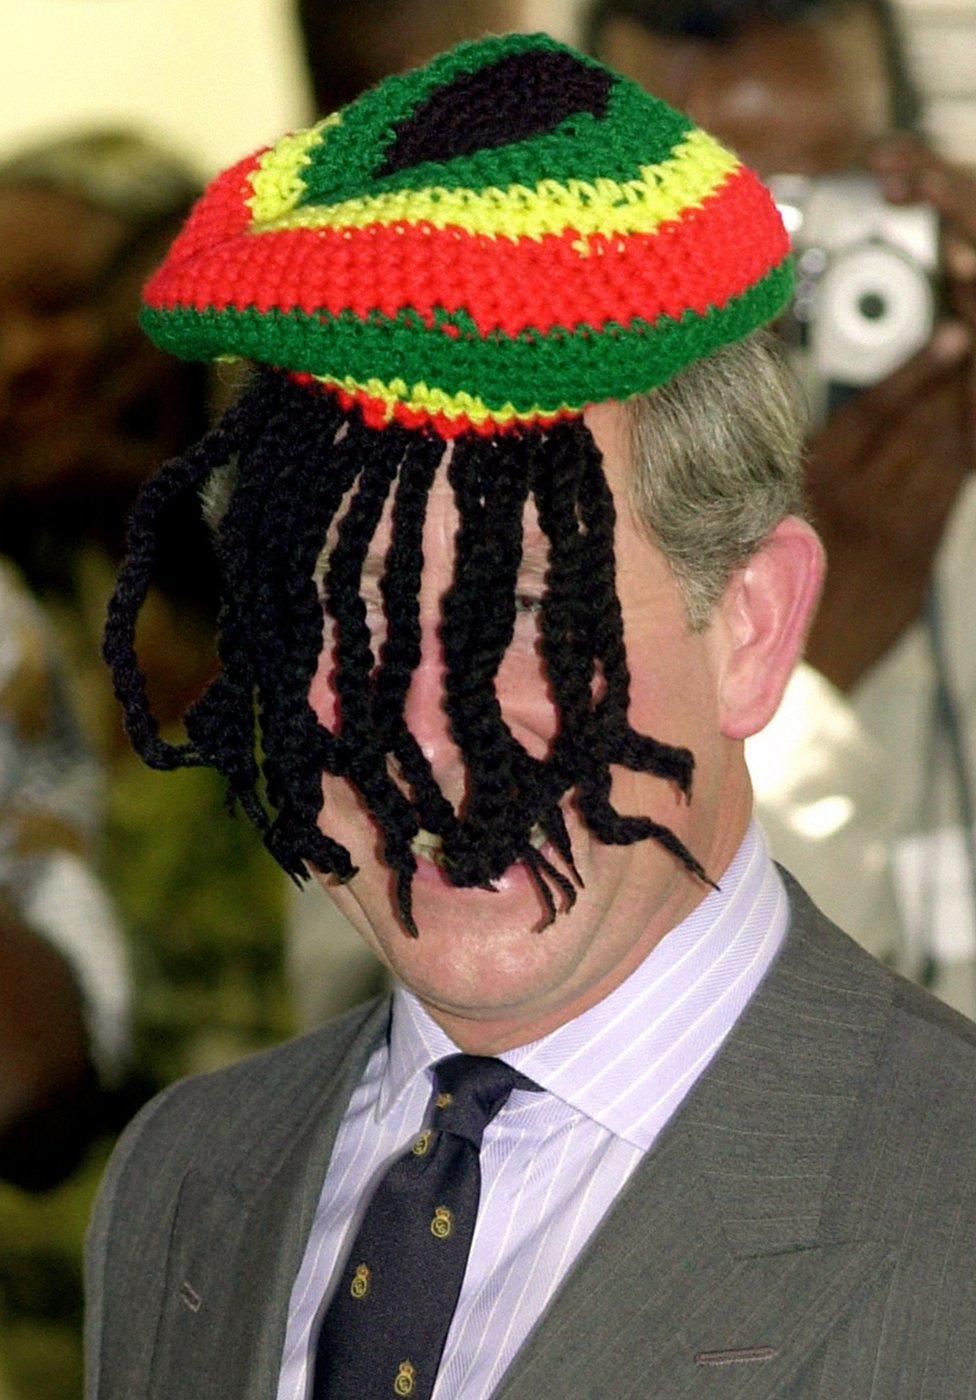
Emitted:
pixel 468 255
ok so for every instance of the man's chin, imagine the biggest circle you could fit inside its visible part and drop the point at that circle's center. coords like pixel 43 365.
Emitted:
pixel 492 971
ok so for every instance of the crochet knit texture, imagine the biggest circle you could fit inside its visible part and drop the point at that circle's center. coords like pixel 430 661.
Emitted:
pixel 500 238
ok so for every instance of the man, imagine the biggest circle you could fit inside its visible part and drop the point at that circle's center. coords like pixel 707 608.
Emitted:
pixel 810 87
pixel 639 1119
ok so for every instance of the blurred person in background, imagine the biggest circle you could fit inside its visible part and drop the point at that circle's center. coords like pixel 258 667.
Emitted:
pixel 64 985
pixel 65 990
pixel 811 88
pixel 87 407
pixel 352 44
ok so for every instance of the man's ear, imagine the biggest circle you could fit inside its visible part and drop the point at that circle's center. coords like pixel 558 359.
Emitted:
pixel 761 624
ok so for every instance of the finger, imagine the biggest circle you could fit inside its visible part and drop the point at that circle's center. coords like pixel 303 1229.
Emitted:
pixel 851 432
pixel 899 152
pixel 914 455
pixel 900 164
pixel 960 285
pixel 959 255
pixel 952 190
pixel 909 172
pixel 908 486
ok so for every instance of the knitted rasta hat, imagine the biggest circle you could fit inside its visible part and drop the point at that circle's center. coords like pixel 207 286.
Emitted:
pixel 475 251
pixel 502 237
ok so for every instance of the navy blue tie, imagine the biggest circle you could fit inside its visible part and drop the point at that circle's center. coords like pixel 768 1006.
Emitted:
pixel 384 1330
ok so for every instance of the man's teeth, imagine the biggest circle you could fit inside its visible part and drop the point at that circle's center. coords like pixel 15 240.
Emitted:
pixel 431 847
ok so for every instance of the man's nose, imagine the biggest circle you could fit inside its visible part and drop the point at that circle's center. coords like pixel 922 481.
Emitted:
pixel 424 710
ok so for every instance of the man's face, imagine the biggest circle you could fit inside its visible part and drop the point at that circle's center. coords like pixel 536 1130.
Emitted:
pixel 804 98
pixel 481 959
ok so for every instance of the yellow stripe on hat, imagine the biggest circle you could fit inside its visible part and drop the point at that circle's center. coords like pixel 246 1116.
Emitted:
pixel 698 167
pixel 277 182
pixel 420 398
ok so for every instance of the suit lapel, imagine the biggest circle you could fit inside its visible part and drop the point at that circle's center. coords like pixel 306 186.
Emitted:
pixel 239 1235
pixel 716 1271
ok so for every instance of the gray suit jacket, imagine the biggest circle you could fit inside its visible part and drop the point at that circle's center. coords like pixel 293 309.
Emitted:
pixel 803 1227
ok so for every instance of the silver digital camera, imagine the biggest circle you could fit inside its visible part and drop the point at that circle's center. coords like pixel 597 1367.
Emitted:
pixel 868 283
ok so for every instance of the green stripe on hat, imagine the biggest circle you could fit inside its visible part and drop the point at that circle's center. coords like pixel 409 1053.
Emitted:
pixel 559 369
pixel 632 134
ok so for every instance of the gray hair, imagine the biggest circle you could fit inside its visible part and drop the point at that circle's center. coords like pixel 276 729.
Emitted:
pixel 718 463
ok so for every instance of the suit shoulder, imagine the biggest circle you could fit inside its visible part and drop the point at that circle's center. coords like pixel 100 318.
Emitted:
pixel 922 1100
pixel 930 1040
pixel 926 1041
pixel 926 1051
pixel 207 1116
pixel 941 1023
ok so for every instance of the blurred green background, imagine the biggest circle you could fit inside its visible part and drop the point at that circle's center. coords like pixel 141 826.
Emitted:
pixel 203 906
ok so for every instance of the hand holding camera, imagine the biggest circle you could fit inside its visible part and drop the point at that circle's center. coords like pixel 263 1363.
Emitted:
pixel 887 465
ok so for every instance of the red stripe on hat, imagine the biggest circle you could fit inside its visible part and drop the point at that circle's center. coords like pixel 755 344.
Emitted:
pixel 219 215
pixel 712 253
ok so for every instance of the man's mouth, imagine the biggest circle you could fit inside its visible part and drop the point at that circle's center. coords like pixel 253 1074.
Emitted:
pixel 427 846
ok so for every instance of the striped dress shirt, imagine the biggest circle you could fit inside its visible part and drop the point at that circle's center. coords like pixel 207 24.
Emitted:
pixel 552 1164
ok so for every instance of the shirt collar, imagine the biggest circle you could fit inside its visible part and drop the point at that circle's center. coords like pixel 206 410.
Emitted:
pixel 596 1063
pixel 416 1043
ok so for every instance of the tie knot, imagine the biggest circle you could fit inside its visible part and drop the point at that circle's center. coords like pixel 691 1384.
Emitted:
pixel 471 1089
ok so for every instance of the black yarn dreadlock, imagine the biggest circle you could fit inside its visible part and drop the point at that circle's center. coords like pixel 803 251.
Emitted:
pixel 294 457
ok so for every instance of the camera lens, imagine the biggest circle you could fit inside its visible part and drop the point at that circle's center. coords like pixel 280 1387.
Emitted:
pixel 874 309
pixel 872 306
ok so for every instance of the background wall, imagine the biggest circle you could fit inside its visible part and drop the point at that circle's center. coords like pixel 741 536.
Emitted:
pixel 213 78
pixel 942 43
pixel 217 77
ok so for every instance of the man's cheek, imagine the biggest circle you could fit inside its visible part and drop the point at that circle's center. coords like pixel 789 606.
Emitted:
pixel 526 698
pixel 322 694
